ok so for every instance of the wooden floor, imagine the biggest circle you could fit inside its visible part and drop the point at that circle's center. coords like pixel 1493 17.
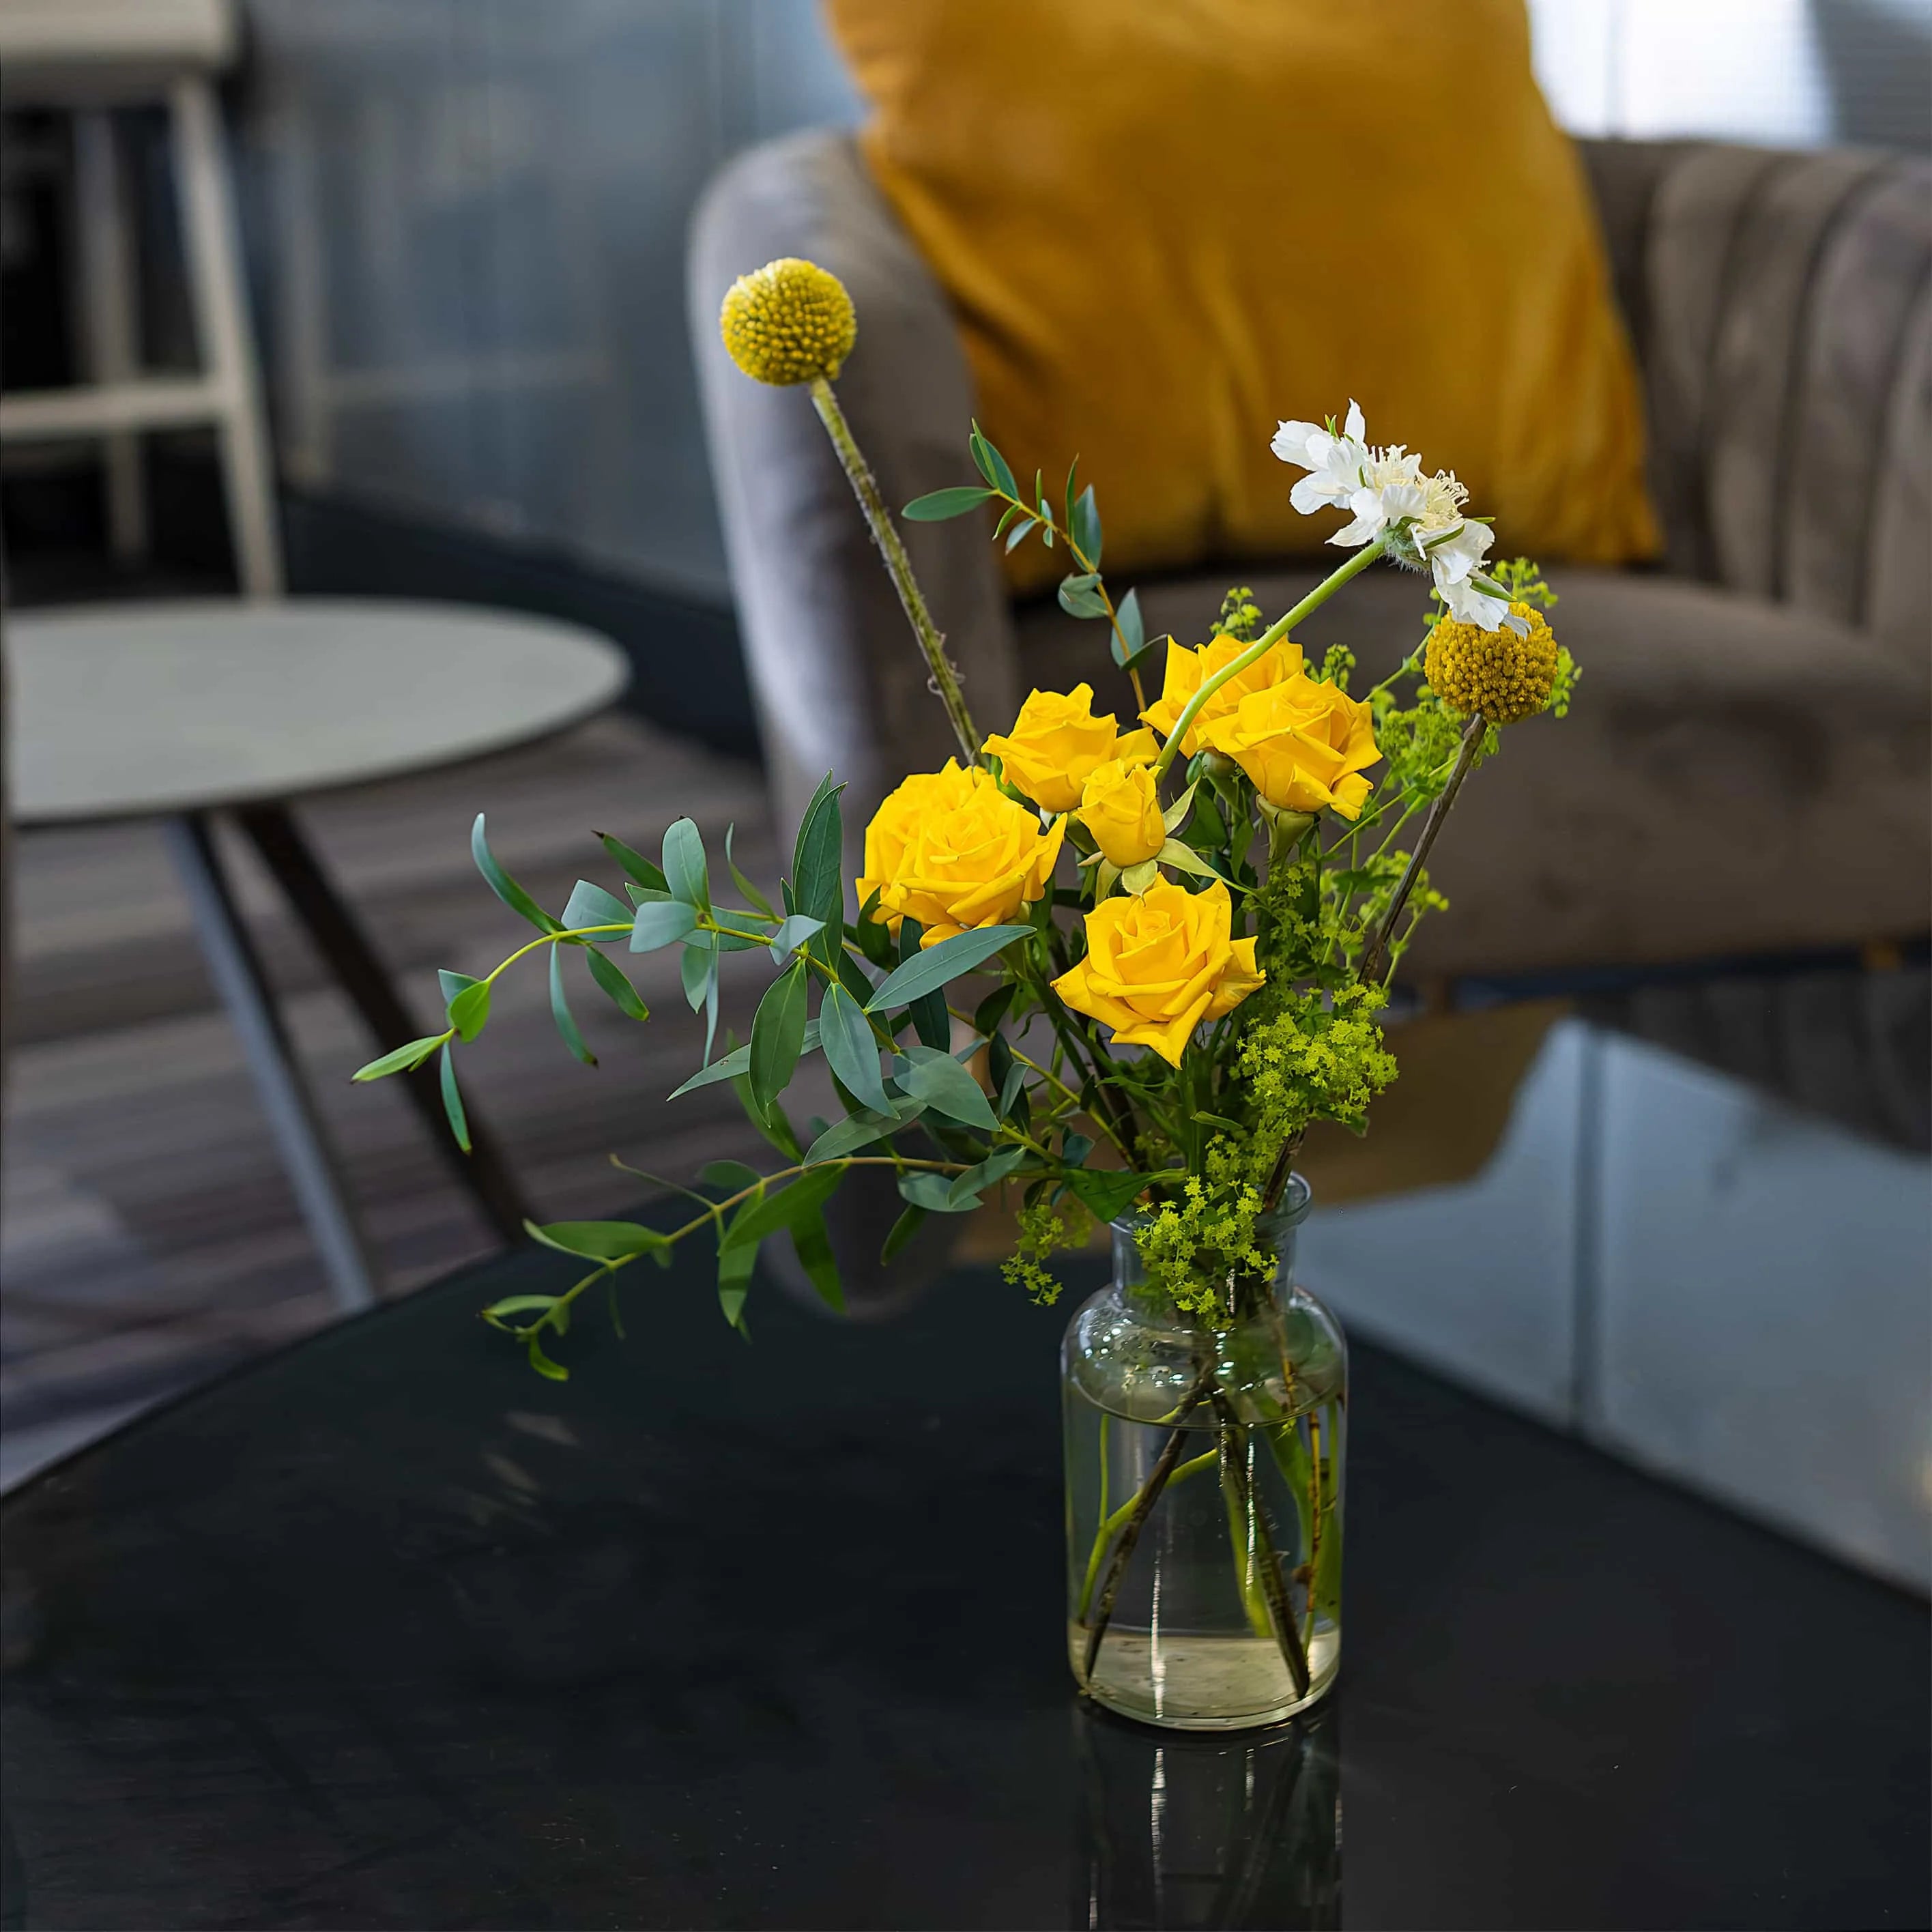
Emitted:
pixel 147 1237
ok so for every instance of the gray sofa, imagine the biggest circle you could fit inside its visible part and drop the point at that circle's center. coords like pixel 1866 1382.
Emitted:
pixel 1746 770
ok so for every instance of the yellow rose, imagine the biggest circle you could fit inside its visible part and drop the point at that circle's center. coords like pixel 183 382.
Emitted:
pixel 949 849
pixel 1158 965
pixel 1057 740
pixel 1303 744
pixel 1187 671
pixel 1121 808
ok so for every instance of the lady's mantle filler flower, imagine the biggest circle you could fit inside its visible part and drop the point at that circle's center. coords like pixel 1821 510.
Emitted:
pixel 949 849
pixel 1159 965
pixel 1056 741
pixel 789 322
pixel 1419 517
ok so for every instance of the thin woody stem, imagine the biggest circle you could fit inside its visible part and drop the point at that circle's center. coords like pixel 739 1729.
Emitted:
pixel 1281 1613
pixel 865 486
pixel 1472 740
pixel 1143 1507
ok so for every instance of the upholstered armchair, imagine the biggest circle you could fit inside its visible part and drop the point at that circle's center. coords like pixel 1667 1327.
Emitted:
pixel 1745 771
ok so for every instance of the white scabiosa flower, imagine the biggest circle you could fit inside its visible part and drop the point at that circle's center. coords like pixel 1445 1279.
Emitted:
pixel 1335 463
pixel 1419 519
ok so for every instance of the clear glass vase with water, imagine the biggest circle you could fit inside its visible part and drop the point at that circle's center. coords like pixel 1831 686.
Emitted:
pixel 1204 1494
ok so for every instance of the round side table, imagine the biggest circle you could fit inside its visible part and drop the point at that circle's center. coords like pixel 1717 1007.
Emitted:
pixel 177 712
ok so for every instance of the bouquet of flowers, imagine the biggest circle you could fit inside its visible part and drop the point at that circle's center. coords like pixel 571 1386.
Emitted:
pixel 1113 959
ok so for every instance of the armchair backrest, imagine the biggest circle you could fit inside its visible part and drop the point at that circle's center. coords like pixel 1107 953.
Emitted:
pixel 1781 306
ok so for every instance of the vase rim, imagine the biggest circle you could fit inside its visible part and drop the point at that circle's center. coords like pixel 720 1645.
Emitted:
pixel 1289 1214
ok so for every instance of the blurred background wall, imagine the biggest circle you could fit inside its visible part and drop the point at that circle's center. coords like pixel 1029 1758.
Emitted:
pixel 466 223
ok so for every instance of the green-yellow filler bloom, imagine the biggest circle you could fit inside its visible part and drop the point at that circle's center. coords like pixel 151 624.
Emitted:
pixel 790 322
pixel 1503 675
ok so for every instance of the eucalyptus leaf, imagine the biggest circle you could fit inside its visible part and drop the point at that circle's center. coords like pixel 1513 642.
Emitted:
pixel 738 879
pixel 794 931
pixel 851 1050
pixel 533 1347
pixel 686 875
pixel 590 905
pixel 818 857
pixel 937 506
pixel 1086 528
pixel 934 966
pixel 782 1208
pixel 452 1100
pixel 908 1224
pixel 598 1240
pixel 500 882
pixel 936 1078
pixel 989 1173
pixel 611 978
pixel 696 966
pixel 777 1036
pixel 635 862
pixel 560 1014
pixel 402 1059
pixel 470 1007
pixel 1132 633
pixel 1080 595
pixel 813 1246
pixel 845 1137
pixel 933 1193
pixel 733 1176
pixel 1020 532
pixel 661 923
pixel 991 464
pixel 1106 1194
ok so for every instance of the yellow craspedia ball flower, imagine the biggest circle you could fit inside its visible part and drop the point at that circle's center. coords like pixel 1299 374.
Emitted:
pixel 1505 674
pixel 788 322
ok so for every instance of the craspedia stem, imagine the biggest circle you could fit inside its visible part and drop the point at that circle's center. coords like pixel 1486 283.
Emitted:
pixel 1472 740
pixel 932 644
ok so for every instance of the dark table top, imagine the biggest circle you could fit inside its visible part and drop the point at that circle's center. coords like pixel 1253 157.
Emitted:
pixel 386 1631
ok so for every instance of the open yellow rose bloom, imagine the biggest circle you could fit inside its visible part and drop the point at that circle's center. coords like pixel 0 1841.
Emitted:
pixel 1159 965
pixel 1303 744
pixel 1057 741
pixel 949 849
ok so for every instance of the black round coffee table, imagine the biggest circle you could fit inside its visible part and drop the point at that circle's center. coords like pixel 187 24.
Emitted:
pixel 386 1631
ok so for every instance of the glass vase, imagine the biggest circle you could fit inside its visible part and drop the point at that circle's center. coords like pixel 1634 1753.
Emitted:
pixel 1204 1494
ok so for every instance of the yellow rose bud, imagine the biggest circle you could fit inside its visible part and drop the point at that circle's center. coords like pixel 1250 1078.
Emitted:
pixel 788 322
pixel 949 849
pixel 1055 742
pixel 1187 671
pixel 1303 744
pixel 1159 965
pixel 1121 808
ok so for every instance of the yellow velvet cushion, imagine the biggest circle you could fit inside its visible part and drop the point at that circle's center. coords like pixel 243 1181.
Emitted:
pixel 1165 225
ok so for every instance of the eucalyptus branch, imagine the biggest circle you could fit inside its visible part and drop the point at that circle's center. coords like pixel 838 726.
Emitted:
pixel 1040 514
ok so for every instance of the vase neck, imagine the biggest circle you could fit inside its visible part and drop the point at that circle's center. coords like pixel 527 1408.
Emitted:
pixel 1275 1234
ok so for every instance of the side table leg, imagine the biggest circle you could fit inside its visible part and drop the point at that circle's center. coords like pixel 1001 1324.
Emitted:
pixel 238 977
pixel 340 940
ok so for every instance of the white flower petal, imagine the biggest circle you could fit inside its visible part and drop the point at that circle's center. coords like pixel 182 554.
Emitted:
pixel 1315 492
pixel 1290 443
pixel 1355 428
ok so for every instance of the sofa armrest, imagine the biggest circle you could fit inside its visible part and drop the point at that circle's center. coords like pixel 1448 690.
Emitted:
pixel 1781 306
pixel 838 682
